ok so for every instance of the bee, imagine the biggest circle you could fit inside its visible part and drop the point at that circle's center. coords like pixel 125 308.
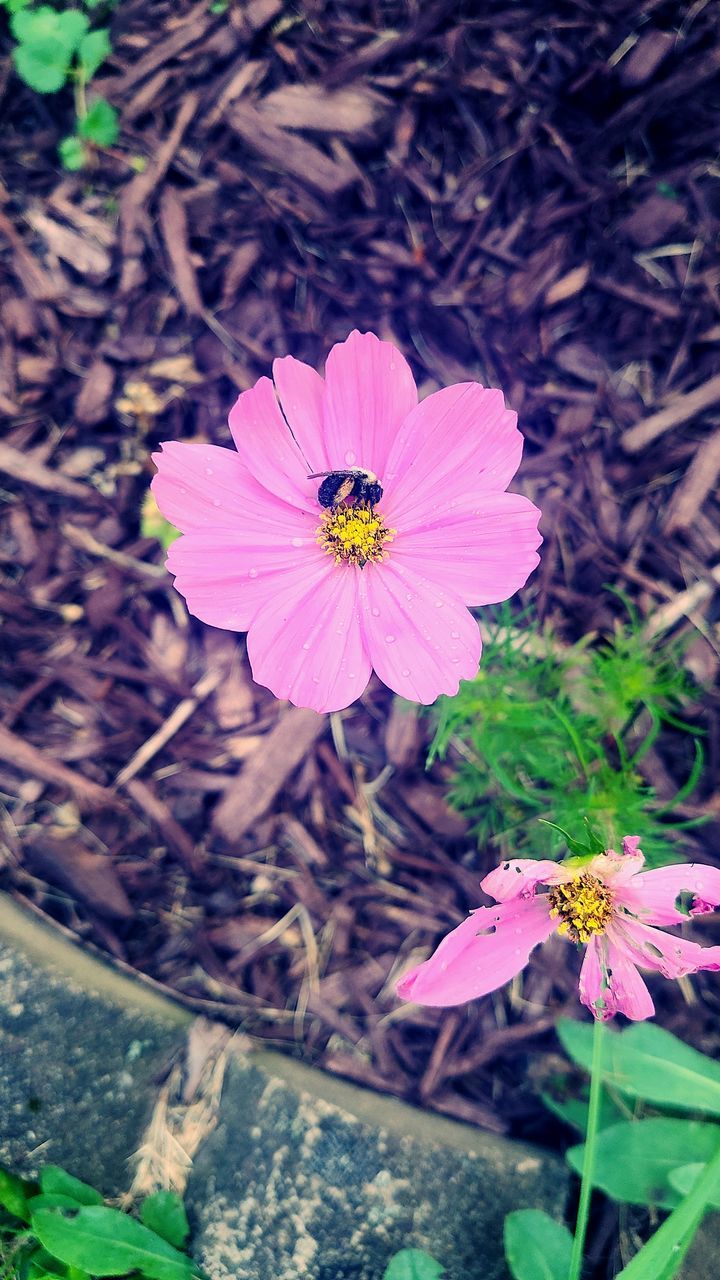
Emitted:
pixel 354 482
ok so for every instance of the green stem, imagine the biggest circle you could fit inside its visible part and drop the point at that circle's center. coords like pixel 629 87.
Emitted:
pixel 593 1119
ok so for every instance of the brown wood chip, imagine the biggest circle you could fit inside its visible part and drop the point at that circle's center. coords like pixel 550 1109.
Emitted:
pixel 267 771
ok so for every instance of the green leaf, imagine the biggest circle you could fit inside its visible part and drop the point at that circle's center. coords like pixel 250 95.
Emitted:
pixel 662 1256
pixel 43 65
pixel 164 1213
pixel 683 1180
pixel 100 125
pixel 106 1242
pixel 647 1062
pixel 536 1246
pixel 634 1159
pixel 37 26
pixel 574 1111
pixel 52 1202
pixel 92 51
pixel 73 153
pixel 13 1195
pixel 413 1264
pixel 55 1181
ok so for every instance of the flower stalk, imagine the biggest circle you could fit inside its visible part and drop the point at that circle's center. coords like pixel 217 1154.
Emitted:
pixel 591 1135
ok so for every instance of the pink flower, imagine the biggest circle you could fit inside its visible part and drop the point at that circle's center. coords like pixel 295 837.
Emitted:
pixel 606 901
pixel 328 594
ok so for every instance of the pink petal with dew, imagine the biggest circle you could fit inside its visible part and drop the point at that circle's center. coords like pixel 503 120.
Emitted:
pixel 306 644
pixel 267 448
pixel 301 392
pixel 226 578
pixel 369 390
pixel 482 954
pixel 610 983
pixel 458 441
pixel 421 639
pixel 203 487
pixel 651 948
pixel 520 877
pixel 484 557
pixel 652 896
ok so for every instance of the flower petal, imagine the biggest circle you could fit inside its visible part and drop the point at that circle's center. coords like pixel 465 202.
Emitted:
pixel 266 446
pixel 654 896
pixel 306 643
pixel 226 577
pixel 520 877
pixel 485 556
pixel 421 639
pixel 653 949
pixel 616 869
pixel 458 441
pixel 202 487
pixel 301 392
pixel 369 390
pixel 610 983
pixel 482 954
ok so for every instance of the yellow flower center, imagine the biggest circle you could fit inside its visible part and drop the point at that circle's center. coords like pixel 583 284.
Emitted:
pixel 354 534
pixel 584 905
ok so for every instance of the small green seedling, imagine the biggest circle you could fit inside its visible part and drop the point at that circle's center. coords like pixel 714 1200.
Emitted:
pixel 56 47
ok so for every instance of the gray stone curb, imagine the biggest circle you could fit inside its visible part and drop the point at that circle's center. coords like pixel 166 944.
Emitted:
pixel 305 1175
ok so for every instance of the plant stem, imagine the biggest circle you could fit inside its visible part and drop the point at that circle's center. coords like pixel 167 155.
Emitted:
pixel 589 1156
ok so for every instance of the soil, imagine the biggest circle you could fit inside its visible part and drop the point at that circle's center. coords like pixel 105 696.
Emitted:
pixel 523 194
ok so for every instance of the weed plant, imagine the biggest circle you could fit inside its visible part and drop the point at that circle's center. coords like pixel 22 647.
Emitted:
pixel 555 732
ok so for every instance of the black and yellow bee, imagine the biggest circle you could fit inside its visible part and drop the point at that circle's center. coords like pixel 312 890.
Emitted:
pixel 353 482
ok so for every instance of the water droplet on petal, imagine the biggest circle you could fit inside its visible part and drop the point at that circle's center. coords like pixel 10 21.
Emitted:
pixel 208 471
pixel 390 639
pixel 454 661
pixel 455 635
pixel 375 613
pixel 316 679
pixel 352 675
pixel 252 573
pixel 438 604
pixel 306 645
pixel 216 502
pixel 405 671
pixel 350 457
pixel 297 542
pixel 409 595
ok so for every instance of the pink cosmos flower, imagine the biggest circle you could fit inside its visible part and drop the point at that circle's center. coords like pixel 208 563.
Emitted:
pixel 329 593
pixel 606 901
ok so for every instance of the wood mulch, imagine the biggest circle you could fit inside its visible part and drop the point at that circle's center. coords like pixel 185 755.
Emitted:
pixel 521 193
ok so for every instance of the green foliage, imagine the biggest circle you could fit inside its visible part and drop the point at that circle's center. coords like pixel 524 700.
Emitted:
pixel 56 47
pixel 556 734
pixel 635 1158
pixel 100 125
pixel 536 1246
pixel 657 1159
pixel 164 1213
pixel 73 153
pixel 649 1063
pixel 61 1228
pixel 153 523
pixel 413 1264
pixel 47 40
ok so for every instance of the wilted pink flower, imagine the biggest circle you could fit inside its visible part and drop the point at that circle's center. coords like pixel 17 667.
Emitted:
pixel 606 901
pixel 328 594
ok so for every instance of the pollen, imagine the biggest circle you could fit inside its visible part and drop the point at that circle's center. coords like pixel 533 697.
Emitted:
pixel 354 534
pixel 584 905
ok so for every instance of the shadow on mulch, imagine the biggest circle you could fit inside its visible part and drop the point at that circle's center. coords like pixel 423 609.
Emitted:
pixel 524 197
